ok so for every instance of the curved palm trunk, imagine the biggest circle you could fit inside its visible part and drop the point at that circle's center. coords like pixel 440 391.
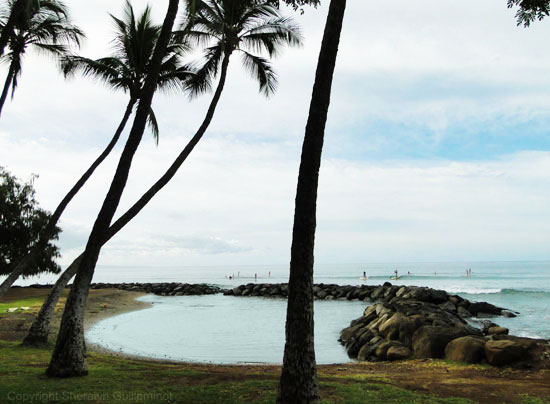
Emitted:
pixel 298 383
pixel 30 259
pixel 68 358
pixel 40 328
pixel 7 84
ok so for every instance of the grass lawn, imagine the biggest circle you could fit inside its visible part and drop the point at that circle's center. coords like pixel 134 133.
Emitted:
pixel 114 379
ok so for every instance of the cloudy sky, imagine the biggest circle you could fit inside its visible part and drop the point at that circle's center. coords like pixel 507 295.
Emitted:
pixel 437 144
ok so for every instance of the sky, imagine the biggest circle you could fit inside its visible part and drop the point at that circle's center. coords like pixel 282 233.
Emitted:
pixel 436 147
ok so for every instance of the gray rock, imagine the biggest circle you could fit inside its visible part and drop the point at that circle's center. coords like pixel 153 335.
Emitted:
pixel 497 331
pixel 448 306
pixel 398 353
pixel 430 341
pixel 462 312
pixel 466 349
pixel 508 313
pixel 504 352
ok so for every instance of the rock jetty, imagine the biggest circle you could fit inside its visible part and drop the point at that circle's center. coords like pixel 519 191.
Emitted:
pixel 415 322
pixel 163 289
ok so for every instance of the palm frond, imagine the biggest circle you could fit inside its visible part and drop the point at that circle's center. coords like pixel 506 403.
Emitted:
pixel 260 69
pixel 153 124
pixel 109 70
pixel 176 80
pixel 205 73
pixel 271 34
pixel 258 12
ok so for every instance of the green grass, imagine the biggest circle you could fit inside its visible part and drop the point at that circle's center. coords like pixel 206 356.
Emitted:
pixel 114 379
pixel 529 400
pixel 32 302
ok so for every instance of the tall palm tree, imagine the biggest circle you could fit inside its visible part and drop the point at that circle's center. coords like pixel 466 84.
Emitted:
pixel 46 26
pixel 38 334
pixel 298 383
pixel 69 356
pixel 125 70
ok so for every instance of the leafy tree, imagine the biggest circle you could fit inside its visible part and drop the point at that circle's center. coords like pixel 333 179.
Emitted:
pixel 69 356
pixel 530 10
pixel 298 383
pixel 44 25
pixel 21 221
pixel 125 70
pixel 38 333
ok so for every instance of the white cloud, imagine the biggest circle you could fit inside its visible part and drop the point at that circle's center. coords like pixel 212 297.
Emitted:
pixel 428 64
pixel 232 203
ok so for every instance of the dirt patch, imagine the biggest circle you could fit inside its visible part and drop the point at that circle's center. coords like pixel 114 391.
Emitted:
pixel 479 383
pixel 102 303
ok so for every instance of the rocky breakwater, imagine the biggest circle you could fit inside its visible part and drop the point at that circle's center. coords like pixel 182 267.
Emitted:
pixel 321 291
pixel 163 289
pixel 416 322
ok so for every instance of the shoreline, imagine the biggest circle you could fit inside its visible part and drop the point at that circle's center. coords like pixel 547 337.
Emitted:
pixel 121 302
pixel 118 299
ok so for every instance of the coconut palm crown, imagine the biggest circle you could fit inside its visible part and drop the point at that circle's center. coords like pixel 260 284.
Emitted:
pixel 126 69
pixel 45 26
pixel 247 26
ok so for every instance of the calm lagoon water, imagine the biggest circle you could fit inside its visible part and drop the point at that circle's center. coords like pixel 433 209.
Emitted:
pixel 220 329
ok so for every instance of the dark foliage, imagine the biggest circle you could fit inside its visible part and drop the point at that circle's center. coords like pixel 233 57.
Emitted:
pixel 530 10
pixel 21 221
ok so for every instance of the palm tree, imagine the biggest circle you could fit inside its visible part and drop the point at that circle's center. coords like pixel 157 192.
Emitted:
pixel 243 26
pixel 39 331
pixel 46 27
pixel 124 70
pixel 69 356
pixel 298 383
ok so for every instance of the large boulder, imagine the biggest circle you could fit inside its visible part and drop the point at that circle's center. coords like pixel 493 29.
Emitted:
pixel 505 352
pixel 430 341
pixel 378 293
pixel 383 348
pixel 496 330
pixel 398 353
pixel 483 309
pixel 390 328
pixel 466 349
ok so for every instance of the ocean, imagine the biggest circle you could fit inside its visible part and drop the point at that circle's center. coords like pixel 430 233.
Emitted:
pixel 224 329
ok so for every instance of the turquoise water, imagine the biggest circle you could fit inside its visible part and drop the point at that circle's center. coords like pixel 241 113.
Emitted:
pixel 252 329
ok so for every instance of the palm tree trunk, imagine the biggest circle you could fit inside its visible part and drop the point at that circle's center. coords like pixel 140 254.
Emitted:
pixel 13 276
pixel 298 383
pixel 7 84
pixel 30 259
pixel 40 328
pixel 68 358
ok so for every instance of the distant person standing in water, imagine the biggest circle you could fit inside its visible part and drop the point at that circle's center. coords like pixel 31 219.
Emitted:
pixel 255 277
